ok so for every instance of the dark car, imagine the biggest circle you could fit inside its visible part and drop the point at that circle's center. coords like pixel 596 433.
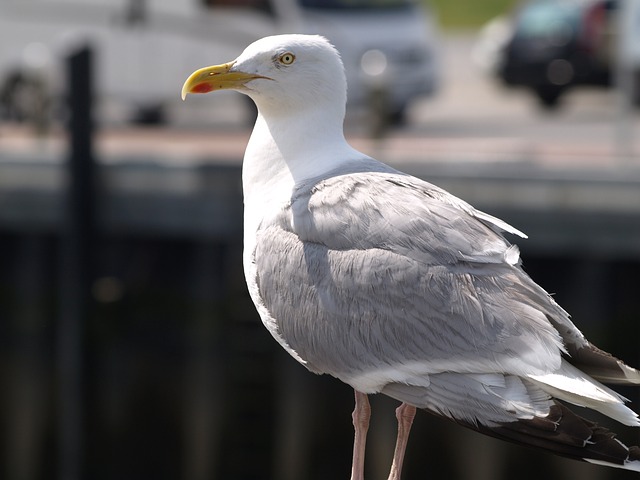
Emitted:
pixel 557 44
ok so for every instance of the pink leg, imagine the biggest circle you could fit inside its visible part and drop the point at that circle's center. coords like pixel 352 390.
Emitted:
pixel 361 415
pixel 405 414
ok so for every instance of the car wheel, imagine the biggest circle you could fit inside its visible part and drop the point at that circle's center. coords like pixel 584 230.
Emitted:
pixel 152 114
pixel 548 96
pixel 26 99
pixel 398 116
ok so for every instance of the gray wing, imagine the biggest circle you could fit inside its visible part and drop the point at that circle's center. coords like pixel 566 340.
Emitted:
pixel 380 278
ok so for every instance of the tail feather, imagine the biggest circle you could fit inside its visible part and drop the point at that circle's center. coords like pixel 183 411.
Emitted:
pixel 570 384
pixel 562 432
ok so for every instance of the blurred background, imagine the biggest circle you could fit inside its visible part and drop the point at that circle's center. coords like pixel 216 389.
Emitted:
pixel 129 348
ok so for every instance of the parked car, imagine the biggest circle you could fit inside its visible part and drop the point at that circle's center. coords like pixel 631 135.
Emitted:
pixel 630 48
pixel 553 45
pixel 144 49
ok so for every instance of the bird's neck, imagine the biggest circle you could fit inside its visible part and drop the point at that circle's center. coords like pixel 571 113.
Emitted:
pixel 285 150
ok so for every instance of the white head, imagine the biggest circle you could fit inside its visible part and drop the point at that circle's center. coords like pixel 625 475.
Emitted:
pixel 299 86
pixel 282 74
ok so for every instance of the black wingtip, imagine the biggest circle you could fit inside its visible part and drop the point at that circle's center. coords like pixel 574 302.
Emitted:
pixel 603 366
pixel 564 433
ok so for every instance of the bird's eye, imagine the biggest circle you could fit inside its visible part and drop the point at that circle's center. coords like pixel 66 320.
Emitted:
pixel 287 58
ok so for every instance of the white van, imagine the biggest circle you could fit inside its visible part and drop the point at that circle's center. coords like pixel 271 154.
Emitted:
pixel 146 48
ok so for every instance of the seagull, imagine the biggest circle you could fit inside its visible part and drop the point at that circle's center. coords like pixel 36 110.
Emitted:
pixel 395 286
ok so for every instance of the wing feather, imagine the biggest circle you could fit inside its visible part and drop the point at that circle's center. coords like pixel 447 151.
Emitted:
pixel 397 276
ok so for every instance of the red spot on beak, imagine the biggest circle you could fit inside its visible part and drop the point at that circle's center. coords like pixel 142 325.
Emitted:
pixel 202 88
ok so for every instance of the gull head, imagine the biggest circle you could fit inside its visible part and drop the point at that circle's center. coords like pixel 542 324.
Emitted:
pixel 281 73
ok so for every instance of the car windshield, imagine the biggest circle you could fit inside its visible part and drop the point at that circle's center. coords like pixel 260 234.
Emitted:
pixel 543 17
pixel 355 4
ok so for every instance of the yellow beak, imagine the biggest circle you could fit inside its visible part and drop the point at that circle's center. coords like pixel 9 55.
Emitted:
pixel 216 77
